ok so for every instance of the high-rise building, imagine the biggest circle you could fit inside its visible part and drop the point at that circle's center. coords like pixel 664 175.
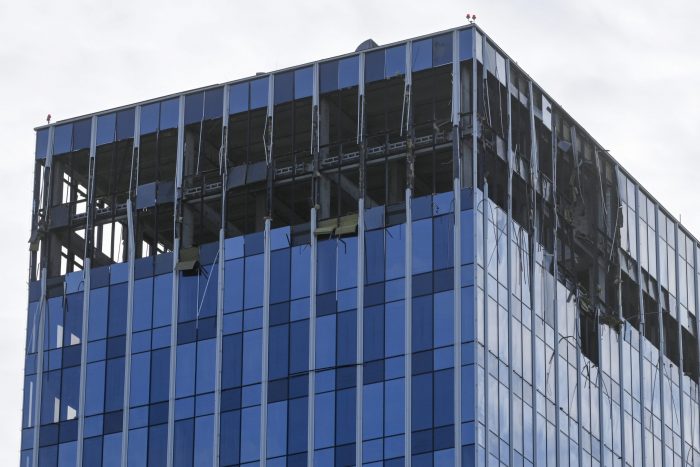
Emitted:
pixel 405 255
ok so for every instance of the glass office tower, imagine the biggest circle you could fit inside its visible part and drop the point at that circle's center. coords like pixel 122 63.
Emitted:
pixel 406 255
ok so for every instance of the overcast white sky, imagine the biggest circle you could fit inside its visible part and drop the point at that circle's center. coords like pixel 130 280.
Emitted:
pixel 628 71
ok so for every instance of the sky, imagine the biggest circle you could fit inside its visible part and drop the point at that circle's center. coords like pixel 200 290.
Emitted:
pixel 627 71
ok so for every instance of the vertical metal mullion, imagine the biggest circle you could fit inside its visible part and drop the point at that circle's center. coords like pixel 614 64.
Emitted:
pixel 176 278
pixel 484 254
pixel 640 302
pixel 408 266
pixel 555 280
pixel 359 396
pixel 87 267
pixel 696 257
pixel 41 307
pixel 679 334
pixel 408 328
pixel 662 337
pixel 41 311
pixel 265 344
pixel 509 263
pixel 457 249
pixel 130 298
pixel 223 167
pixel 312 342
pixel 620 338
pixel 579 372
pixel 534 171
pixel 360 328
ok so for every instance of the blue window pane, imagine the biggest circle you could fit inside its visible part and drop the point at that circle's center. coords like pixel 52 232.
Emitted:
pixel 301 263
pixel 185 370
pixel 97 319
pixel 422 55
pixel 114 384
pixel 374 333
pixel 157 445
pixel 81 134
pixel 422 255
pixel 117 310
pixel 258 93
pixel 232 349
pixel 280 275
pixel 125 124
pixel 444 398
pixel 238 98
pixel 70 390
pixel 252 357
pixel 347 263
pixel 374 256
pixel 299 347
pixel 277 429
pixel 328 76
pixel 194 108
pixel 169 111
pixel 325 272
pixel 206 365
pixel 372 411
pixel 422 401
pixel 395 61
pixel 394 407
pixel 111 450
pixel 395 251
pixel 42 141
pixel 298 423
pixel 184 443
pixel 250 434
pixel 303 82
pixel 442 49
pixel 229 452
pixel 233 291
pixel 284 87
pixel 54 324
pixel 443 320
pixel 138 448
pixel 347 341
pixel 213 103
pixel 422 323
pixel 92 451
pixel 95 380
pixel 106 125
pixel 203 446
pixel 63 138
pixel 162 300
pixel 467 237
pixel 348 72
pixel 466 38
pixel 140 377
pixel 279 348
pixel 150 114
pixel 253 281
pixel 160 375
pixel 325 342
pixel 143 302
pixel 345 417
pixel 394 328
pixel 73 325
pixel 374 66
pixel 324 426
pixel 67 453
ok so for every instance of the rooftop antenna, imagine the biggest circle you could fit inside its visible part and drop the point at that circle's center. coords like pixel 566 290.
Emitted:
pixel 48 119
pixel 471 18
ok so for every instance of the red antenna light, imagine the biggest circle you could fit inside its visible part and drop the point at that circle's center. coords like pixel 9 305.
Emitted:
pixel 471 18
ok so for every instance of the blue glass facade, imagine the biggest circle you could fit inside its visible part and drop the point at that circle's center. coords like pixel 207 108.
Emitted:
pixel 409 255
